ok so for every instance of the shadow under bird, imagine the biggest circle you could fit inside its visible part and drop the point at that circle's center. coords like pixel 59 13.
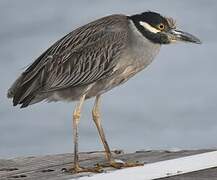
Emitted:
pixel 92 60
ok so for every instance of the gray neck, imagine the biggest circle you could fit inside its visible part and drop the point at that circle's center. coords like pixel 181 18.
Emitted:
pixel 142 49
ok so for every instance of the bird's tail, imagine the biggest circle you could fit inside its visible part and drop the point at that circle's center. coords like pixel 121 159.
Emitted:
pixel 12 90
pixel 24 91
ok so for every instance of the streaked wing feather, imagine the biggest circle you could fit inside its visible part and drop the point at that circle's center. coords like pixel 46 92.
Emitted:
pixel 87 64
pixel 85 55
pixel 93 64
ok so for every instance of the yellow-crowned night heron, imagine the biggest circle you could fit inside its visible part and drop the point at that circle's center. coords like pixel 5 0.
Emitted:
pixel 93 59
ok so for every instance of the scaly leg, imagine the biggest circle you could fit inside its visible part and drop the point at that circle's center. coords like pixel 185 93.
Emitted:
pixel 96 117
pixel 76 118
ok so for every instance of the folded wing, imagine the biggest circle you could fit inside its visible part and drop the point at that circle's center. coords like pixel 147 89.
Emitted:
pixel 82 57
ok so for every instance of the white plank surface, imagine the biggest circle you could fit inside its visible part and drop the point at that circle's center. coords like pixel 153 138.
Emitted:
pixel 161 169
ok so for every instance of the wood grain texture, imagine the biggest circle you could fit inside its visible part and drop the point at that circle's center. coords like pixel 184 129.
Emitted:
pixel 50 167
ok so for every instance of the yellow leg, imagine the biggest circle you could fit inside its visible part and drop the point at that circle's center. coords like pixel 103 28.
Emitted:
pixel 114 163
pixel 96 118
pixel 76 118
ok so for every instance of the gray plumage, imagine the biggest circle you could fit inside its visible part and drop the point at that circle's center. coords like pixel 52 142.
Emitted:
pixel 90 60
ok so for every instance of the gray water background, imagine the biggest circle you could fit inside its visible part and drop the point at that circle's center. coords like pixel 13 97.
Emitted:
pixel 171 104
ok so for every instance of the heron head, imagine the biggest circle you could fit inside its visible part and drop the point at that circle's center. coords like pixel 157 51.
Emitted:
pixel 160 29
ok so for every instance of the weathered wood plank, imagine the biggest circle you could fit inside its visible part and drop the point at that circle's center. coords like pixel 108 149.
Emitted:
pixel 49 167
pixel 162 169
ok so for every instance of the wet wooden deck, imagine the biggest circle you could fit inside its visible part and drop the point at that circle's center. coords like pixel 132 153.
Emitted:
pixel 50 167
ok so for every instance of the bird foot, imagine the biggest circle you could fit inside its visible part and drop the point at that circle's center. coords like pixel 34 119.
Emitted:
pixel 119 164
pixel 98 168
pixel 79 169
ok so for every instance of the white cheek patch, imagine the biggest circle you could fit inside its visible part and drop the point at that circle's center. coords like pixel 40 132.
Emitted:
pixel 149 27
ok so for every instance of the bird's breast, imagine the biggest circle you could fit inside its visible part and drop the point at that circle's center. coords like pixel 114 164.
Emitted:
pixel 137 55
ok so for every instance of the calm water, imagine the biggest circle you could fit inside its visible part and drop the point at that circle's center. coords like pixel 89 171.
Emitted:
pixel 172 104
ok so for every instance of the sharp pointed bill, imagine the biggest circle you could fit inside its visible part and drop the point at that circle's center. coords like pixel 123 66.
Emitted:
pixel 149 27
pixel 184 36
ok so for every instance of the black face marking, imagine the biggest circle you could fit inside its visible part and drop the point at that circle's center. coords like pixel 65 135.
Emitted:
pixel 153 19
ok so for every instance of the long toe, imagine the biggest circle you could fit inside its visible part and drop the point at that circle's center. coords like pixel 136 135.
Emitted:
pixel 79 169
pixel 118 164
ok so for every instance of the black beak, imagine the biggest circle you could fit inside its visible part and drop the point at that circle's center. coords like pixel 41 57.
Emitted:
pixel 184 36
